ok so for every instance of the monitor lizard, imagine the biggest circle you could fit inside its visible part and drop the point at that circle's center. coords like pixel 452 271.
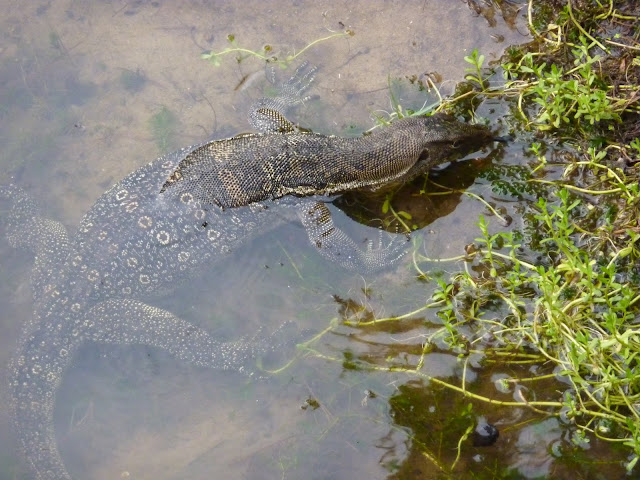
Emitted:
pixel 168 220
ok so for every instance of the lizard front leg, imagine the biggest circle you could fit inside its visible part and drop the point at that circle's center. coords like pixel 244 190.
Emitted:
pixel 337 246
pixel 268 115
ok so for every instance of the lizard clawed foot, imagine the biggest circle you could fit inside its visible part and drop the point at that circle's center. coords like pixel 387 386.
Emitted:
pixel 388 249
pixel 293 89
pixel 268 115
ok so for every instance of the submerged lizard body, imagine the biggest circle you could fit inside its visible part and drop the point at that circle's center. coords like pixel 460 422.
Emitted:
pixel 256 167
pixel 173 217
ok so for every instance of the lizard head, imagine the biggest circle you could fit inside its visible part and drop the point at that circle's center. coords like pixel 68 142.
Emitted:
pixel 444 128
pixel 445 139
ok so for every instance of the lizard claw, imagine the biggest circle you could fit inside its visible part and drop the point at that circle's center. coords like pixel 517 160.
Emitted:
pixel 387 250
pixel 268 114
pixel 293 89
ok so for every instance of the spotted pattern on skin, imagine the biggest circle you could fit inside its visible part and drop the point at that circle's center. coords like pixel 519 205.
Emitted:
pixel 120 254
pixel 163 237
pixel 145 222
pixel 121 195
pixel 93 276
pixel 131 207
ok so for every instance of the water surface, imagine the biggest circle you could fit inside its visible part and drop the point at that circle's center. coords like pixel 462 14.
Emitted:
pixel 91 91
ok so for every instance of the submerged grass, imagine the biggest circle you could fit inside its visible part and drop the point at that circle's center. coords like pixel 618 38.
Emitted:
pixel 267 53
pixel 163 128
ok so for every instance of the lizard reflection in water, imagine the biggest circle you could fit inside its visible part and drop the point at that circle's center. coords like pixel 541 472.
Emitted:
pixel 173 217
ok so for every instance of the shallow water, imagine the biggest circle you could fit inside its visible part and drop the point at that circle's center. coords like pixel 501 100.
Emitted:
pixel 93 90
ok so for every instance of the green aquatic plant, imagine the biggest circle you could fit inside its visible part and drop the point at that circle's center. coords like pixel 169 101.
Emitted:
pixel 475 74
pixel 577 309
pixel 267 53
pixel 564 97
pixel 162 126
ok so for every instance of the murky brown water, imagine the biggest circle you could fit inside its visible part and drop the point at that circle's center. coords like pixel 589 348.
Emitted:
pixel 81 88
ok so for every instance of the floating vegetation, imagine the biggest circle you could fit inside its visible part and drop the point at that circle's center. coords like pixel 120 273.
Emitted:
pixel 267 53
pixel 163 125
